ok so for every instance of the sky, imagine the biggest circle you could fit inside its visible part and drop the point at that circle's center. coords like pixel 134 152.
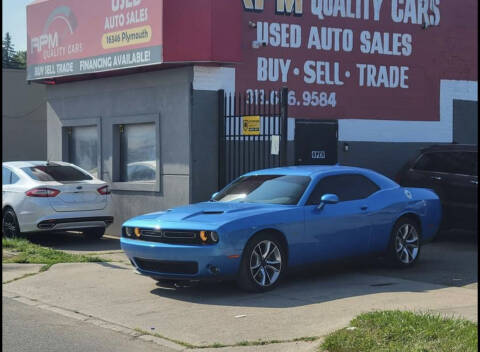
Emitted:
pixel 14 21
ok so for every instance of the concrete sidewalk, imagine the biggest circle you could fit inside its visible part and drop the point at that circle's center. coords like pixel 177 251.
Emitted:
pixel 311 304
pixel 220 313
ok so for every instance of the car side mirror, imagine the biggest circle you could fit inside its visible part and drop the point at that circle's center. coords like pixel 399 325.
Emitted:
pixel 213 195
pixel 327 199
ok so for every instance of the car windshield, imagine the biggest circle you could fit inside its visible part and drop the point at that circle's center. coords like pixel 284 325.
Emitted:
pixel 60 173
pixel 267 189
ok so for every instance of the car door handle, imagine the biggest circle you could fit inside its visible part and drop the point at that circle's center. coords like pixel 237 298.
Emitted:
pixel 474 182
pixel 364 207
pixel 436 177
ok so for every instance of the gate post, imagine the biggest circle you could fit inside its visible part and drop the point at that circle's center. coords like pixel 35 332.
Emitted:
pixel 221 139
pixel 284 125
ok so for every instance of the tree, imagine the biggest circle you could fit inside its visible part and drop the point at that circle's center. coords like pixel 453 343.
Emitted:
pixel 7 51
pixel 20 59
pixel 10 58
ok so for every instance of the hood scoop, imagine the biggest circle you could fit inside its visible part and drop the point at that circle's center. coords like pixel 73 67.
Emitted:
pixel 213 212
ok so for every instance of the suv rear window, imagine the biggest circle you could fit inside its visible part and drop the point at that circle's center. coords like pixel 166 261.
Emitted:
pixel 463 163
pixel 58 173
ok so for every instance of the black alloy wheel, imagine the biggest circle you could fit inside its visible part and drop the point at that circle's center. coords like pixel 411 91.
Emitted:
pixel 10 227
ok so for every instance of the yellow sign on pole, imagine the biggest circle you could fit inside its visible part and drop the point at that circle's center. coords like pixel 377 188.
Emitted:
pixel 251 125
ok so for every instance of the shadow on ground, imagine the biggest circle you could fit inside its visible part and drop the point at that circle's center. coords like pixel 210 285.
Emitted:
pixel 74 241
pixel 449 261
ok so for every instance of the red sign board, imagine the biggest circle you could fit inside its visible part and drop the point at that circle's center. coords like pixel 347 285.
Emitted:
pixel 68 37
pixel 340 59
pixel 375 59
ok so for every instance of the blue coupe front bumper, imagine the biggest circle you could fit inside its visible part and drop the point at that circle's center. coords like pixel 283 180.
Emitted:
pixel 211 261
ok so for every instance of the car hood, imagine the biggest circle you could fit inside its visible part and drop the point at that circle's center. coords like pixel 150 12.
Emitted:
pixel 209 215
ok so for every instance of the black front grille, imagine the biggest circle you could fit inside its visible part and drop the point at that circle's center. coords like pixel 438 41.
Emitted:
pixel 167 267
pixel 168 236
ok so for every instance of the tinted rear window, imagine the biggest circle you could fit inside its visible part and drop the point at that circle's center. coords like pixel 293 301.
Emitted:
pixel 58 173
pixel 464 163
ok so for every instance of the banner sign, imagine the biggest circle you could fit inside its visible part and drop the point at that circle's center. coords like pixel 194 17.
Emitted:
pixel 68 37
pixel 375 59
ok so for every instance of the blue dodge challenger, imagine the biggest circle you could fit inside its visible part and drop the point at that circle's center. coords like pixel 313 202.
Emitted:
pixel 267 221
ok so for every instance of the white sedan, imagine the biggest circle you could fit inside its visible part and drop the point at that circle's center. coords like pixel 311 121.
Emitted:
pixel 53 196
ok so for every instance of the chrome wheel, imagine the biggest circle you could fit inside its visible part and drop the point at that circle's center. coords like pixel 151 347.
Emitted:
pixel 9 224
pixel 407 243
pixel 265 263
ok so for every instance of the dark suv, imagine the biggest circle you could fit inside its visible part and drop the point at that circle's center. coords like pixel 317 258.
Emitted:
pixel 451 171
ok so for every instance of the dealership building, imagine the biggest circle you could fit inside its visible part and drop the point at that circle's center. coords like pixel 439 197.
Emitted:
pixel 168 100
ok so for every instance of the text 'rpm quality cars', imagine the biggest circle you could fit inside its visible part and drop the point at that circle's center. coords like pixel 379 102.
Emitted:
pixel 53 196
pixel 267 221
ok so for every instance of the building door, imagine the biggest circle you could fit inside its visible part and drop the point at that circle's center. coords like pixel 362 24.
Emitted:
pixel 316 142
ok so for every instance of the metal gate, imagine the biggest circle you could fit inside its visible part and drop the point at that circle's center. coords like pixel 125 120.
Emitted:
pixel 252 132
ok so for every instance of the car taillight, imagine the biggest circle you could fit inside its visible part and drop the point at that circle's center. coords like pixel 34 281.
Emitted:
pixel 42 192
pixel 104 190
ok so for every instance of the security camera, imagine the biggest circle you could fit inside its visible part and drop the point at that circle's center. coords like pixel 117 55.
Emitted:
pixel 252 24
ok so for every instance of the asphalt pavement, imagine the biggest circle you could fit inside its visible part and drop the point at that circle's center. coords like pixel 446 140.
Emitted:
pixel 26 328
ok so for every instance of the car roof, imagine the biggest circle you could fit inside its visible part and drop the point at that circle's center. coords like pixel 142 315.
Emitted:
pixel 306 170
pixel 451 147
pixel 314 171
pixel 20 164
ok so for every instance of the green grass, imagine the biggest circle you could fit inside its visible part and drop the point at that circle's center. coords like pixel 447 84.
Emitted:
pixel 27 252
pixel 403 331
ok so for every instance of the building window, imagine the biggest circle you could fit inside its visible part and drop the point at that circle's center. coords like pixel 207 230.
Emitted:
pixel 138 161
pixel 83 148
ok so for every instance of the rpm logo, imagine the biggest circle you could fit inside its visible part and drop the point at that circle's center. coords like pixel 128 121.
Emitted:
pixel 51 40
pixel 48 40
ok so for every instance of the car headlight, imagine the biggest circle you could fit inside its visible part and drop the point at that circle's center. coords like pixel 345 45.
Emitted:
pixel 129 231
pixel 209 236
pixel 214 236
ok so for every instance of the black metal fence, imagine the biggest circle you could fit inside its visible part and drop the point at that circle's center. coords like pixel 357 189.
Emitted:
pixel 252 132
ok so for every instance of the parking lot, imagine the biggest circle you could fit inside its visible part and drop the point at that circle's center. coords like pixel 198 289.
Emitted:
pixel 306 304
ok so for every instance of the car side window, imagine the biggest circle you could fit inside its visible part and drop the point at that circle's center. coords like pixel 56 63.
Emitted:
pixel 463 163
pixel 6 174
pixel 14 178
pixel 346 187
pixel 466 163
pixel 429 162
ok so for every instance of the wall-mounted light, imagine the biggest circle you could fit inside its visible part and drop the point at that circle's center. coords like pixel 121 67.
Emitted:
pixel 346 147
pixel 252 24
